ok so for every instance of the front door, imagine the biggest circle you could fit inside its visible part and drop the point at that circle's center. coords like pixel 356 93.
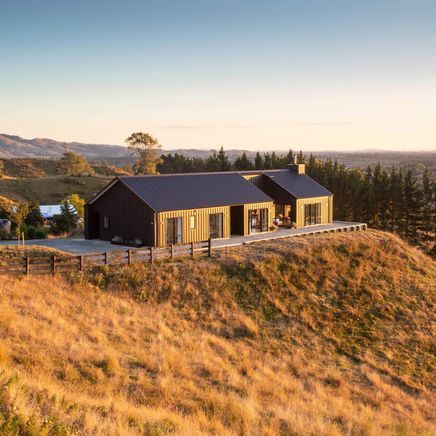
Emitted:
pixel 174 231
pixel 216 225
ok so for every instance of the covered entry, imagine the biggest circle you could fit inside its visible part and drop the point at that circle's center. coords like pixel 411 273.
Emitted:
pixel 248 219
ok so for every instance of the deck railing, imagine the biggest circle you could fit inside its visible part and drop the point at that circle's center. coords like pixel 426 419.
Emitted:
pixel 66 264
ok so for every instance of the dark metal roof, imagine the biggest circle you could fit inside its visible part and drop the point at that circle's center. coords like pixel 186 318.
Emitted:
pixel 191 191
pixel 298 185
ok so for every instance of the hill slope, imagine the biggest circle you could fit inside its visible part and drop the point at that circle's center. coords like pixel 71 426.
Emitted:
pixel 51 190
pixel 14 146
pixel 319 335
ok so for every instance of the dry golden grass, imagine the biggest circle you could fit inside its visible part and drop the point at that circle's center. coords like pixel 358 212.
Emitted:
pixel 320 335
pixel 10 253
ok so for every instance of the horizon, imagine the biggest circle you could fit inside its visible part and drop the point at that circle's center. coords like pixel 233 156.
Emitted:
pixel 249 76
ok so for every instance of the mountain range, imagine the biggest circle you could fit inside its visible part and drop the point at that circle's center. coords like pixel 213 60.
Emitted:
pixel 14 146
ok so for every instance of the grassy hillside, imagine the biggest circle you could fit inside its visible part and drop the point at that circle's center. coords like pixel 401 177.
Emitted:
pixel 51 190
pixel 37 168
pixel 327 334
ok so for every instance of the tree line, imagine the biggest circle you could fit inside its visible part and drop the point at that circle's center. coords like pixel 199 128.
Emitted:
pixel 394 200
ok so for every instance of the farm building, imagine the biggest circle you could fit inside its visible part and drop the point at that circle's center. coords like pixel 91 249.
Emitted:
pixel 160 210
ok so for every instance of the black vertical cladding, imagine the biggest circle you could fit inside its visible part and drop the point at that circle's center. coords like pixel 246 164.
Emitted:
pixel 128 217
pixel 277 193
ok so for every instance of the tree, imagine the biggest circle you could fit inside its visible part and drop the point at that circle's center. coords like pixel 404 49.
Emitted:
pixel 412 207
pixel 428 208
pixel 224 162
pixel 258 162
pixel 243 163
pixel 77 202
pixel 34 217
pixel 17 214
pixel 267 161
pixel 2 167
pixel 73 164
pixel 65 221
pixel 213 163
pixel 146 147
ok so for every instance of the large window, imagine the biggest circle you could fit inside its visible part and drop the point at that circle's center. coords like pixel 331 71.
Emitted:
pixel 312 214
pixel 174 231
pixel 258 220
pixel 216 225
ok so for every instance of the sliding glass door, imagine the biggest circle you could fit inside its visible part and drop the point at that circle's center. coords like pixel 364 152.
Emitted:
pixel 312 214
pixel 174 231
pixel 216 225
pixel 257 220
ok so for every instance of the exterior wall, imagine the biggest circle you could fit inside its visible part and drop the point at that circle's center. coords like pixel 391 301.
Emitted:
pixel 129 217
pixel 268 205
pixel 201 231
pixel 251 176
pixel 326 209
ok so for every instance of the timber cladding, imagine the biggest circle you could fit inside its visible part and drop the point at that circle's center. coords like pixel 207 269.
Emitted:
pixel 195 224
pixel 326 209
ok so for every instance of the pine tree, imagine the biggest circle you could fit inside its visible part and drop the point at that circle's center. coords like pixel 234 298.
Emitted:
pixel 258 162
pixel 243 163
pixel 368 197
pixel 396 199
pixel 428 209
pixel 268 162
pixel 224 162
pixel 412 207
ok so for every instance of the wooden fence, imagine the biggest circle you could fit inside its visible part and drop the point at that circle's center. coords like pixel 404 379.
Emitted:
pixel 66 264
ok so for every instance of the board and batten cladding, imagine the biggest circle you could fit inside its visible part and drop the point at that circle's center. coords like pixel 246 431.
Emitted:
pixel 201 230
pixel 267 205
pixel 326 209
pixel 128 217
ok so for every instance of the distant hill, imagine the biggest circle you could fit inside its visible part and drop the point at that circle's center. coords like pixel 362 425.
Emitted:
pixel 12 146
pixel 15 146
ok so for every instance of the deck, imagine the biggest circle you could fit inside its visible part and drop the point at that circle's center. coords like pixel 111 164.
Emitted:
pixel 337 226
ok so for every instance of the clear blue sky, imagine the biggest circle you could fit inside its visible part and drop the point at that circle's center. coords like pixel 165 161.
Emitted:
pixel 246 74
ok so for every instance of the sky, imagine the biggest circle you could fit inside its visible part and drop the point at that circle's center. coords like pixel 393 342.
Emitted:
pixel 258 75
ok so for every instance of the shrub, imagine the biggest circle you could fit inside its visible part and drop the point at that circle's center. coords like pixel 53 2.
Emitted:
pixel 35 232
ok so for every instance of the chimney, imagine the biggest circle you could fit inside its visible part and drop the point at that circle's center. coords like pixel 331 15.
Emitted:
pixel 296 167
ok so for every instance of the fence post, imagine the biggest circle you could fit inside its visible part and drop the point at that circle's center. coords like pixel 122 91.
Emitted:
pixel 129 256
pixel 27 264
pixel 80 263
pixel 53 264
pixel 171 251
pixel 192 250
pixel 151 254
pixel 105 257
pixel 209 247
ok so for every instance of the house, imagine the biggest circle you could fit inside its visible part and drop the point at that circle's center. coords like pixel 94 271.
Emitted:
pixel 48 211
pixel 160 210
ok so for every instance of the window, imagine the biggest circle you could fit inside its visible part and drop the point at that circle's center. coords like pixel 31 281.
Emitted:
pixel 257 220
pixel 312 214
pixel 216 225
pixel 192 223
pixel 106 222
pixel 174 231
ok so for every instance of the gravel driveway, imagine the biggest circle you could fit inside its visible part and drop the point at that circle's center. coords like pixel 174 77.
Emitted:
pixel 73 245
